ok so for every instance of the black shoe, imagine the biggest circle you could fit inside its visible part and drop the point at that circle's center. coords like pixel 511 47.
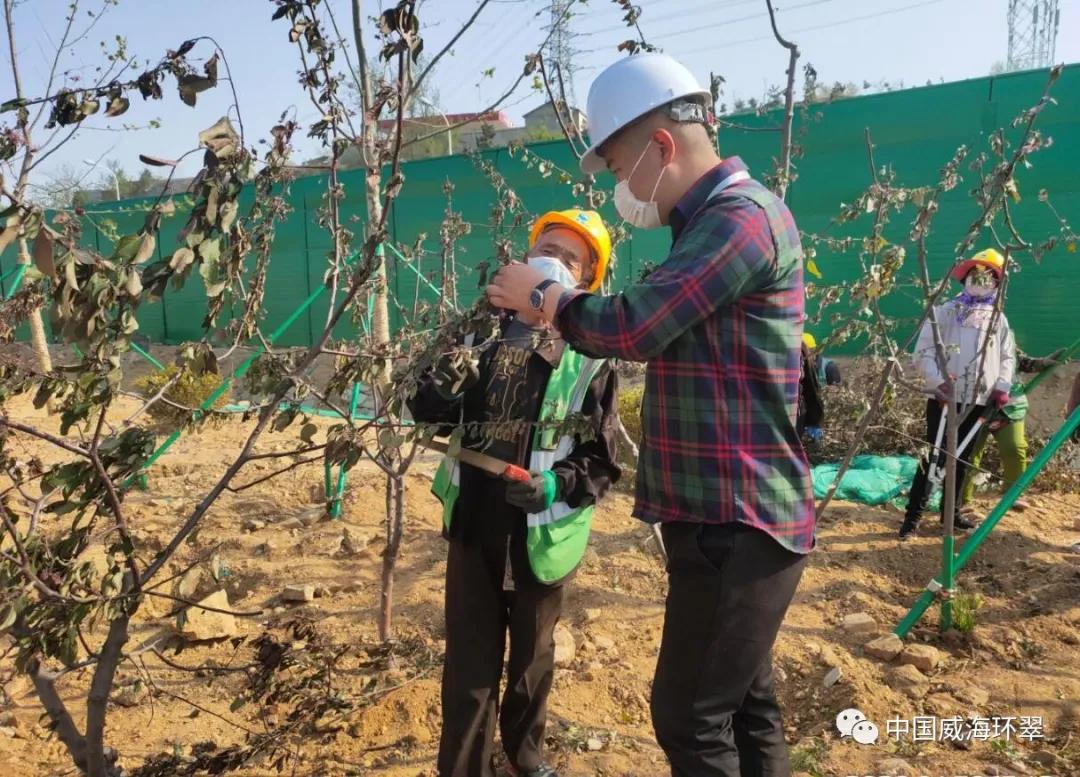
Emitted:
pixel 909 529
pixel 543 770
pixel 963 524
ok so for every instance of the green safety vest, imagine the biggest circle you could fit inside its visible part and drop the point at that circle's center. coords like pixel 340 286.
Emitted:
pixel 556 537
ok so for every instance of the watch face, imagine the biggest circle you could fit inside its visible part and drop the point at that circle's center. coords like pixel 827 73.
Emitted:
pixel 536 299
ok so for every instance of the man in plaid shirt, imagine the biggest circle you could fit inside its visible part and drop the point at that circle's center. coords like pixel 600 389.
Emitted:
pixel 721 465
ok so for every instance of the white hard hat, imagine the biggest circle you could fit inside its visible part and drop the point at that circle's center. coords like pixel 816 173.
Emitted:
pixel 629 89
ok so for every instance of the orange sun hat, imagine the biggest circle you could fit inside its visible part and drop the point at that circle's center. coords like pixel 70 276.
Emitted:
pixel 988 258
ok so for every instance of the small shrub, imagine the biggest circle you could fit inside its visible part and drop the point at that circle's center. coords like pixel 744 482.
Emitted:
pixel 630 411
pixel 189 390
pixel 966 608
pixel 808 756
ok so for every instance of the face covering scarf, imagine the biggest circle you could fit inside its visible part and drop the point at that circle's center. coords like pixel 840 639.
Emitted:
pixel 976 301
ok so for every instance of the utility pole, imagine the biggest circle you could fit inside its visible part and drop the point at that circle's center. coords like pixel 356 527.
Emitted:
pixel 1033 28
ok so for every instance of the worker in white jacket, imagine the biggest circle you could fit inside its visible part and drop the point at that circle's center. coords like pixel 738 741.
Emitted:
pixel 981 355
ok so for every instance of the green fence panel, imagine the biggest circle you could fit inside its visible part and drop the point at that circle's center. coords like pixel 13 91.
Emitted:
pixel 915 132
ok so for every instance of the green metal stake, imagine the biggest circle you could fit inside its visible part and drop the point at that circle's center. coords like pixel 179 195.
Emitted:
pixel 146 355
pixel 334 499
pixel 237 373
pixel 948 545
pixel 948 578
pixel 16 281
pixel 418 274
pixel 922 604
pixel 1040 377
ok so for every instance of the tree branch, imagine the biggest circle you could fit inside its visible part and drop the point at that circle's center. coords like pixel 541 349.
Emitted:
pixel 784 173
pixel 112 497
pixel 505 95
pixel 59 442
pixel 434 60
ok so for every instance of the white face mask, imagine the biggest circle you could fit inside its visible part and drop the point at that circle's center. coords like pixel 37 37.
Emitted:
pixel 553 269
pixel 979 289
pixel 639 213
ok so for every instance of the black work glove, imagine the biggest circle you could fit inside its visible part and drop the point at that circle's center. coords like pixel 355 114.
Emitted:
pixel 536 495
pixel 455 373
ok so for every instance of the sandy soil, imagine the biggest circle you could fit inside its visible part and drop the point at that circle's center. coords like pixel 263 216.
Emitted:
pixel 1020 659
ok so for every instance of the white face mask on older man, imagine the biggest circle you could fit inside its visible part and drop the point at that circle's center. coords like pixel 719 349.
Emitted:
pixel 553 269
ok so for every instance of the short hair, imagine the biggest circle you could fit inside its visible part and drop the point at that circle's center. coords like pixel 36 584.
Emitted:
pixel 685 110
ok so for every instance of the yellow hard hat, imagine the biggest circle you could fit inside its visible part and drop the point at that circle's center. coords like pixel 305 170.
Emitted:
pixel 988 258
pixel 808 338
pixel 590 226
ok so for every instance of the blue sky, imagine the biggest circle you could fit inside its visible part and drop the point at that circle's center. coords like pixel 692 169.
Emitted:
pixel 846 40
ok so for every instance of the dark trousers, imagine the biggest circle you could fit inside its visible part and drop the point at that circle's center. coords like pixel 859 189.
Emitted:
pixel 920 486
pixel 479 612
pixel 714 706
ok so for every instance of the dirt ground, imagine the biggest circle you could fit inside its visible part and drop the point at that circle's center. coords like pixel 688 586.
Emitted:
pixel 1021 659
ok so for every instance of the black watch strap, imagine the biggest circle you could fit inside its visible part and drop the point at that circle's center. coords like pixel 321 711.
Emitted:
pixel 537 296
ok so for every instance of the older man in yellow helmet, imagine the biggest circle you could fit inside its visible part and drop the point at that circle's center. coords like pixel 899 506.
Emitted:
pixel 514 545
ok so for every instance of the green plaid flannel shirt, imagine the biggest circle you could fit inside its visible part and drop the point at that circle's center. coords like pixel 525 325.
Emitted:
pixel 720 325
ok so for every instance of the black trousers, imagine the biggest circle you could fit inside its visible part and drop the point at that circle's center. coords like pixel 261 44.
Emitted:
pixel 714 706
pixel 920 486
pixel 480 610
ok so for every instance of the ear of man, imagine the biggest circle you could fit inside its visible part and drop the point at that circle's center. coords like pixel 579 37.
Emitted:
pixel 690 138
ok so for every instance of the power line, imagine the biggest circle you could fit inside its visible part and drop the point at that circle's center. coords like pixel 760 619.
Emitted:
pixel 788 33
pixel 725 23
pixel 668 6
pixel 513 31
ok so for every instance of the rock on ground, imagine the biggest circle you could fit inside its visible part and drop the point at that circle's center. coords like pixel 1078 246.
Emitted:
pixel 907 676
pixel 859 623
pixel 298 593
pixel 565 646
pixel 197 624
pixel 973 695
pixel 895 767
pixel 925 658
pixel 884 648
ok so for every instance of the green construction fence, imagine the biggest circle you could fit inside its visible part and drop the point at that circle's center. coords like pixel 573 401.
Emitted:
pixel 915 132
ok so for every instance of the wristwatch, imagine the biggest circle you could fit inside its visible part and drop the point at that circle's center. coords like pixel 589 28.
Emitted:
pixel 536 296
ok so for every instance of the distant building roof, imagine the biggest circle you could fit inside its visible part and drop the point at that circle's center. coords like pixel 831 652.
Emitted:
pixel 492 117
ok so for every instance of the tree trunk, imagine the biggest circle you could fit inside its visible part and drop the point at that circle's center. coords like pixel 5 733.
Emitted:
pixel 395 524
pixel 65 728
pixel 99 759
pixel 949 512
pixel 448 290
pixel 38 341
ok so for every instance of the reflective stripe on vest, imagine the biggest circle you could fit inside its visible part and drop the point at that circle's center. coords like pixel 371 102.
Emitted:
pixel 542 460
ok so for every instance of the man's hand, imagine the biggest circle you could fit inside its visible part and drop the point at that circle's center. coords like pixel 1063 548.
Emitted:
pixel 943 393
pixel 999 398
pixel 536 495
pixel 455 373
pixel 512 284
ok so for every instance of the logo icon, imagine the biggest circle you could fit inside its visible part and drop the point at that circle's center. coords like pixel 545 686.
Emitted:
pixel 865 733
pixel 853 723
